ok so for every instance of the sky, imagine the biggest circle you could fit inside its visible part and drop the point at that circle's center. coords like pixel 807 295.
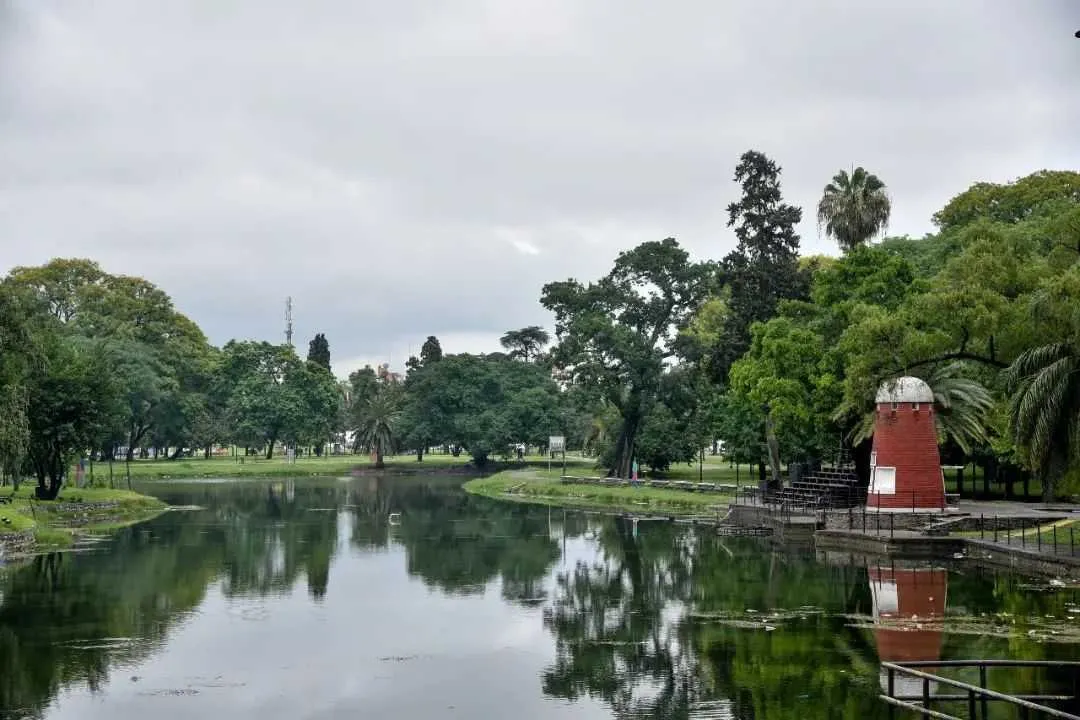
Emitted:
pixel 412 168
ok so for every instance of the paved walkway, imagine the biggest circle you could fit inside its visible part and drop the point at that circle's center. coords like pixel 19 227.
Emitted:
pixel 1010 508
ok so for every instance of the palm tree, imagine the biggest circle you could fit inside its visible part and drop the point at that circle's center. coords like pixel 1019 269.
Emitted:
pixel 854 208
pixel 525 343
pixel 961 408
pixel 1045 409
pixel 378 423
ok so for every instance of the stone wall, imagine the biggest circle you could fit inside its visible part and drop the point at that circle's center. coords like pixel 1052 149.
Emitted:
pixel 16 543
pixel 857 519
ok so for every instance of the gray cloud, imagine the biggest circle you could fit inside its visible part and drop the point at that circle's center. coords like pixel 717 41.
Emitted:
pixel 410 168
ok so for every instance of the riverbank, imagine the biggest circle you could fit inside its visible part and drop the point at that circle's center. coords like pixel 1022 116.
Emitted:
pixel 27 524
pixel 259 467
pixel 543 487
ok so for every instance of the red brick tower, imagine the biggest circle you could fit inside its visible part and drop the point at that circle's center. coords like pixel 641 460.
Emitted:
pixel 905 467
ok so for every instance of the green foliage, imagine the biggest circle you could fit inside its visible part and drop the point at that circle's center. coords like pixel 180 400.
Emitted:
pixel 319 351
pixel 378 422
pixel 1009 203
pixel 615 335
pixel 525 344
pixel 763 270
pixel 854 208
pixel 482 404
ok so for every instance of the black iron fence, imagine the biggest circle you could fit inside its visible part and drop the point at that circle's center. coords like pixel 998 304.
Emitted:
pixel 959 700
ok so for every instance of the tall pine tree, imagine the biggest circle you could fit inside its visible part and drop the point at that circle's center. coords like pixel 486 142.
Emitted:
pixel 319 351
pixel 764 267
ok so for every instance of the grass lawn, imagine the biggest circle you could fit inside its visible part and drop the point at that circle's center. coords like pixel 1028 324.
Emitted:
pixel 257 466
pixel 544 488
pixel 75 510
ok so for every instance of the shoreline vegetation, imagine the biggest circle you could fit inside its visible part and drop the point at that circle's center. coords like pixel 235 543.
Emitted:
pixel 28 525
pixel 539 486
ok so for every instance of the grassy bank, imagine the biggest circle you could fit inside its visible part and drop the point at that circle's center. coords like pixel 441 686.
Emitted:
pixel 714 470
pixel 74 511
pixel 253 466
pixel 544 488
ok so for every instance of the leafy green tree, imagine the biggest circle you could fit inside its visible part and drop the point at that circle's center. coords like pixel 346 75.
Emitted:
pixel 1045 385
pixel 526 343
pixel 616 334
pixel 763 269
pixel 72 399
pixel 430 351
pixel 481 403
pixel 854 208
pixel 781 378
pixel 319 351
pixel 266 387
pixel 1010 202
pixel 17 354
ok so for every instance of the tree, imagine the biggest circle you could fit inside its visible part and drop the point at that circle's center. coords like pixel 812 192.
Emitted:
pixel 430 351
pixel 526 343
pixel 616 334
pixel 17 354
pixel 266 386
pixel 854 208
pixel 378 422
pixel 764 268
pixel 482 403
pixel 1010 202
pixel 72 399
pixel 1045 385
pixel 319 351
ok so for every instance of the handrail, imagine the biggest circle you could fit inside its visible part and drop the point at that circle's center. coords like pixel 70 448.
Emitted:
pixel 982 691
pixel 989 663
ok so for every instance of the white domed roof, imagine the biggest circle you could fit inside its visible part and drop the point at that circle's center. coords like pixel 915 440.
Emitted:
pixel 905 390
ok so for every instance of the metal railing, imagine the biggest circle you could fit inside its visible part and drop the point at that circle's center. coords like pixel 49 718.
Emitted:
pixel 976 699
pixel 1003 530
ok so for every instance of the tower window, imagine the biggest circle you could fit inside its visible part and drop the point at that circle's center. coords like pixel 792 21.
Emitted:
pixel 915 407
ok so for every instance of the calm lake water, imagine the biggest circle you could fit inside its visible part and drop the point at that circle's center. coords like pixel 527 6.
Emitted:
pixel 287 600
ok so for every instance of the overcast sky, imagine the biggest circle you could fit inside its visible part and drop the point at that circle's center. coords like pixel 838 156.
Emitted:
pixel 415 167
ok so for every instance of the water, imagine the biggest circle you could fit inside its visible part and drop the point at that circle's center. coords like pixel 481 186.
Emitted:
pixel 301 599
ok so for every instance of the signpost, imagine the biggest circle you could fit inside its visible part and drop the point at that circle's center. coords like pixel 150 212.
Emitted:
pixel 557 443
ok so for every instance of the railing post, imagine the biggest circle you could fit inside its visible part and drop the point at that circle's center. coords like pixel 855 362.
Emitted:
pixel 995 528
pixel 1038 537
pixel 926 696
pixel 971 704
pixel 1071 551
pixel 982 526
pixel 892 692
pixel 983 700
pixel 1055 538
pixel 892 530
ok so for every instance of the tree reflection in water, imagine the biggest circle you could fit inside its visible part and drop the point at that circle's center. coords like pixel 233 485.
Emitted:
pixel 652 619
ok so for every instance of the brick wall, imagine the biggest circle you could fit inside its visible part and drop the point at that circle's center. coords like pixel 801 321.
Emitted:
pixel 906 439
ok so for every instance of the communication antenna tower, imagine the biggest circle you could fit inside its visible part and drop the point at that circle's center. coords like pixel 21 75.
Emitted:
pixel 288 321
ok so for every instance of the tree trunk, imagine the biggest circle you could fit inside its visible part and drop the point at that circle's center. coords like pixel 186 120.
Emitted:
pixel 625 446
pixel 270 449
pixel 420 453
pixel 176 453
pixel 379 464
pixel 206 453
pixel 773 446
